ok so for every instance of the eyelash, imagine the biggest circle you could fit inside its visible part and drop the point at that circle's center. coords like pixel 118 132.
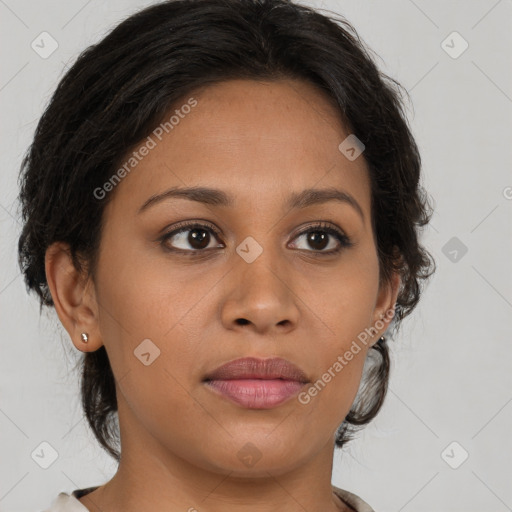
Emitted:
pixel 343 239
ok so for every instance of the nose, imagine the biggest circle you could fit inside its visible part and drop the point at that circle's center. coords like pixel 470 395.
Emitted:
pixel 261 296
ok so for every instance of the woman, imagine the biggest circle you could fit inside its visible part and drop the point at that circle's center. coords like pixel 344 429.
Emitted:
pixel 222 204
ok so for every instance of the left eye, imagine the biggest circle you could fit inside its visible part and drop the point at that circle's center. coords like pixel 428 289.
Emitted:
pixel 317 237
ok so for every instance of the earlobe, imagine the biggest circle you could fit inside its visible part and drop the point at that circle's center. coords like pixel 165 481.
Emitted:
pixel 75 307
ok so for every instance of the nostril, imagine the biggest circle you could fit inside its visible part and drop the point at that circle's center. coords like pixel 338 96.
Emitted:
pixel 242 321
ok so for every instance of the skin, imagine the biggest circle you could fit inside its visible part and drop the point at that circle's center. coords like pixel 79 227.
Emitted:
pixel 258 141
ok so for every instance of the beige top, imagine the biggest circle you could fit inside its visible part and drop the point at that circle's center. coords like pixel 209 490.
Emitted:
pixel 69 503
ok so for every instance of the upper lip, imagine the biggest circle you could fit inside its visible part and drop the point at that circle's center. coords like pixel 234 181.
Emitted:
pixel 255 368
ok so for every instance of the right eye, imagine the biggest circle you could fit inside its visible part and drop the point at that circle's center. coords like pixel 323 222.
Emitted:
pixel 197 236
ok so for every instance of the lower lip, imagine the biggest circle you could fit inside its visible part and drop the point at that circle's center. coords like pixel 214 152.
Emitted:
pixel 256 393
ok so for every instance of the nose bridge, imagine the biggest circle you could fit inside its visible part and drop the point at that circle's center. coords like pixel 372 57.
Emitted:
pixel 262 294
pixel 258 262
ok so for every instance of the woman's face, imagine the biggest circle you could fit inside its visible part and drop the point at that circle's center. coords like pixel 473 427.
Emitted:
pixel 250 282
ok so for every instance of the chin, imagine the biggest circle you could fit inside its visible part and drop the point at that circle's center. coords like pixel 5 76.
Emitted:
pixel 257 458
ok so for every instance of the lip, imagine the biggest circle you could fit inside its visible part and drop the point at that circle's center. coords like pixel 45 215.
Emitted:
pixel 256 383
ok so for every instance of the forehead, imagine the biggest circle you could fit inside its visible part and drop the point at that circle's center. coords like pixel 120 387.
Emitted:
pixel 260 142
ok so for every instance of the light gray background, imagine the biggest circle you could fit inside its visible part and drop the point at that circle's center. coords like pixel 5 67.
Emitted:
pixel 451 378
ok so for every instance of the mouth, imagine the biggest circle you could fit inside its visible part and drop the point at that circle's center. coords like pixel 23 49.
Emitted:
pixel 256 393
pixel 255 383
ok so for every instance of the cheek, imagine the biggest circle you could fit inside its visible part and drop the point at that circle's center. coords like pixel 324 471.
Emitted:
pixel 140 307
pixel 158 399
pixel 345 309
pixel 142 294
pixel 344 294
pixel 331 395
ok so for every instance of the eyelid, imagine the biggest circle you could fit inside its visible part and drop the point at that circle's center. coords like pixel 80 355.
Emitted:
pixel 190 224
pixel 186 226
pixel 331 228
pixel 321 225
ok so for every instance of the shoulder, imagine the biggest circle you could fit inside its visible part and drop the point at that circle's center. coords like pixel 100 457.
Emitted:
pixel 69 503
pixel 66 503
pixel 357 503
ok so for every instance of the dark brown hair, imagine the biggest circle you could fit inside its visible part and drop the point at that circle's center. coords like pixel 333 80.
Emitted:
pixel 121 88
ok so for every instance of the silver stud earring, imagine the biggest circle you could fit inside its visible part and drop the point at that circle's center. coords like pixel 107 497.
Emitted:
pixel 85 337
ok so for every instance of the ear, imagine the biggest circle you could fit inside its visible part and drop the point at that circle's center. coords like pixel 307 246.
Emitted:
pixel 73 296
pixel 385 305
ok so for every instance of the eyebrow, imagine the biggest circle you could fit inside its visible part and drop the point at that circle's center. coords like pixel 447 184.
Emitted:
pixel 216 197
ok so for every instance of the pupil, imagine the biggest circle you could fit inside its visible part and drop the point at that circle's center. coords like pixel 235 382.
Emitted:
pixel 316 236
pixel 194 237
